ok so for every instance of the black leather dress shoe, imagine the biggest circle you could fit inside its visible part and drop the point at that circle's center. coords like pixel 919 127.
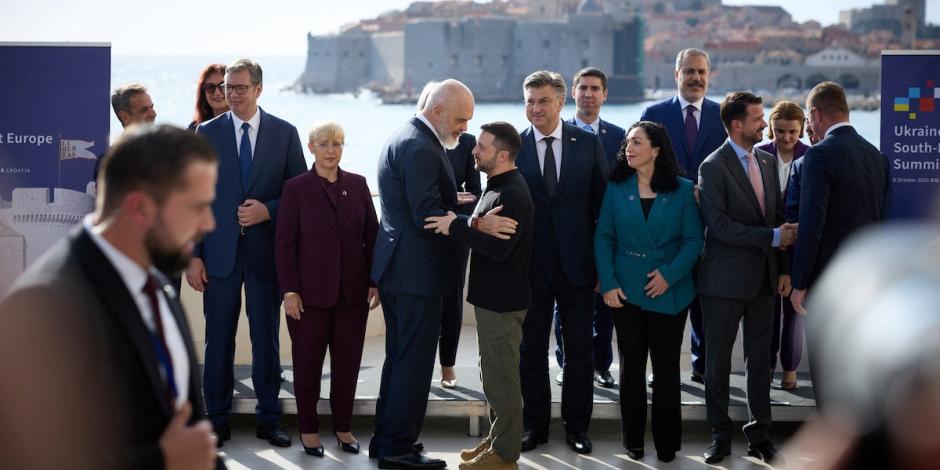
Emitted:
pixel 222 434
pixel 274 435
pixel 766 452
pixel 417 448
pixel 718 451
pixel 579 442
pixel 411 460
pixel 604 379
pixel 635 454
pixel 696 377
pixel 531 440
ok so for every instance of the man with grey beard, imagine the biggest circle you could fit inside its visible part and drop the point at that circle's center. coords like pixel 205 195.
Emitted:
pixel 412 267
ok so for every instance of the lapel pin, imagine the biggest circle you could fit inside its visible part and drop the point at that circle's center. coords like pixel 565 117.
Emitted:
pixel 344 192
pixel 574 139
pixel 603 131
pixel 631 197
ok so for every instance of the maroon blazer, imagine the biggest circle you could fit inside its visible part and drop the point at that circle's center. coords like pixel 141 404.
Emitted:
pixel 325 253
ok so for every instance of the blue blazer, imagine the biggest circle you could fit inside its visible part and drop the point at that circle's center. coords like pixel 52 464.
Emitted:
pixel 416 181
pixel 628 246
pixel 711 133
pixel 564 225
pixel 611 136
pixel 843 188
pixel 278 157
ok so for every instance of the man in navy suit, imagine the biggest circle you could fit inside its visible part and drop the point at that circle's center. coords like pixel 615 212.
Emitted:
pixel 565 169
pixel 257 154
pixel 693 123
pixel 589 90
pixel 843 188
pixel 414 267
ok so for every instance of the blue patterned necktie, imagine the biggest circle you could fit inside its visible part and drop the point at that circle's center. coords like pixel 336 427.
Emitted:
pixel 588 128
pixel 244 155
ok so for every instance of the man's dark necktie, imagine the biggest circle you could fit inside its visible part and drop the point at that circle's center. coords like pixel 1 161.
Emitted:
pixel 159 340
pixel 244 155
pixel 549 173
pixel 691 128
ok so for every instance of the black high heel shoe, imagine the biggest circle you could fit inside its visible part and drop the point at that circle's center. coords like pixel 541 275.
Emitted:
pixel 351 447
pixel 314 451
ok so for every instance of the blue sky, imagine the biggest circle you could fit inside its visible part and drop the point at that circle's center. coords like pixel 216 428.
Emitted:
pixel 274 27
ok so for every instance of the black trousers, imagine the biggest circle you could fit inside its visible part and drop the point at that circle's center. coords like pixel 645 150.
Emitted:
pixel 641 333
pixel 452 312
pixel 722 317
pixel 576 308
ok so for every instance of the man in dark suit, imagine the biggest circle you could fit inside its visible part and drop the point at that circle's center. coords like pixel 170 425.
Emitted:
pixel 843 188
pixel 257 153
pixel 565 169
pixel 589 90
pixel 413 268
pixel 695 130
pixel 132 105
pixel 742 269
pixel 116 369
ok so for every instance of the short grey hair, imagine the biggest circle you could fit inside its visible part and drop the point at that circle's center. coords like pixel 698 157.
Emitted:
pixel 254 70
pixel 546 78
pixel 691 52
pixel 121 97
pixel 425 92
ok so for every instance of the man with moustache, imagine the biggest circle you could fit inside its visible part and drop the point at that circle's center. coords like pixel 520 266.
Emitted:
pixel 413 267
pixel 565 169
pixel 695 130
pixel 589 90
pixel 257 152
pixel 499 291
pixel 121 372
pixel 743 266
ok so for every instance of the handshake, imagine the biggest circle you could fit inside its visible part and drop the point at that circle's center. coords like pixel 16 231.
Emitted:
pixel 787 235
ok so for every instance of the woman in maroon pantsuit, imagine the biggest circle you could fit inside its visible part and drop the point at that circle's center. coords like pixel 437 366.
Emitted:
pixel 326 228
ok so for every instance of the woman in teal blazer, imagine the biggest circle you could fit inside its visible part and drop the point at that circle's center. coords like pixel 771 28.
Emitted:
pixel 649 234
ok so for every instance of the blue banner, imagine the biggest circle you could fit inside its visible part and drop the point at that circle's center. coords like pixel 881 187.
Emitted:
pixel 910 131
pixel 54 123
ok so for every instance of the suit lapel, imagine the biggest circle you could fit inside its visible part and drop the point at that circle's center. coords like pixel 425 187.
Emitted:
pixel 656 213
pixel 568 145
pixel 176 308
pixel 260 157
pixel 228 151
pixel 530 162
pixel 318 195
pixel 118 302
pixel 631 195
pixel 678 123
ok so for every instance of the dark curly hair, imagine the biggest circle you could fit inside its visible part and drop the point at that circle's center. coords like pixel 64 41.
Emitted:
pixel 665 169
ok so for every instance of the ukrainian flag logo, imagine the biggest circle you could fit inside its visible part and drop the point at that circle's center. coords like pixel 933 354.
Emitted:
pixel 915 102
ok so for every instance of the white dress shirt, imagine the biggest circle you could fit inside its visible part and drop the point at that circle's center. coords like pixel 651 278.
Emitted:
pixel 135 277
pixel 836 126
pixel 698 109
pixel 253 122
pixel 541 145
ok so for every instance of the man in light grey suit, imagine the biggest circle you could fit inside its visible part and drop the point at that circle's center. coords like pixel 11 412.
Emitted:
pixel 742 267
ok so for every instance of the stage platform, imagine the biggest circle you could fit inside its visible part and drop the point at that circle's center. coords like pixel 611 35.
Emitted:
pixel 467 400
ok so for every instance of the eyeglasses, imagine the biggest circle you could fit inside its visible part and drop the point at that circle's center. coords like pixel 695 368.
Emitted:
pixel 328 145
pixel 210 88
pixel 240 89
